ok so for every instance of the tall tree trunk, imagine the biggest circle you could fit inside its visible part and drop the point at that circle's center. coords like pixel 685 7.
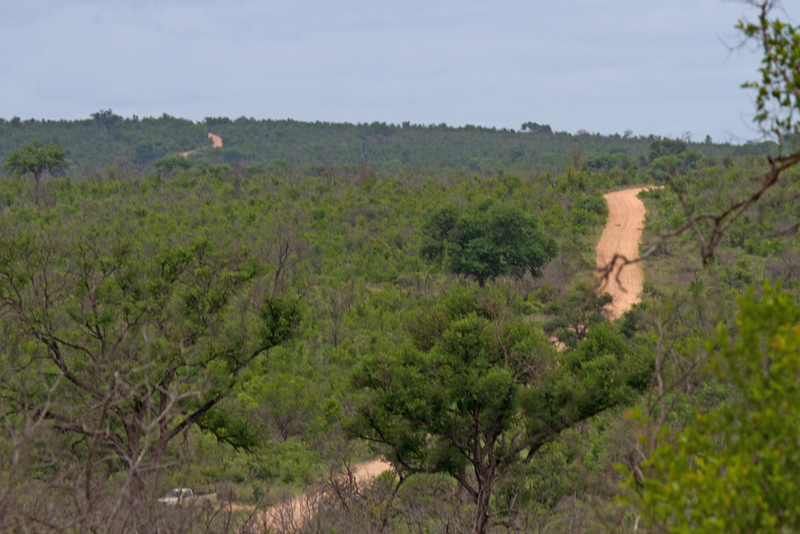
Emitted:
pixel 36 191
pixel 482 509
pixel 486 478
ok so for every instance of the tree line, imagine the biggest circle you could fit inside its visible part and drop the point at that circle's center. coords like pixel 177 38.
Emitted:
pixel 134 144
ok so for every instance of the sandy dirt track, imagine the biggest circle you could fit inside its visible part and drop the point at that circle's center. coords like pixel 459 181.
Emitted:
pixel 621 236
pixel 216 142
pixel 294 513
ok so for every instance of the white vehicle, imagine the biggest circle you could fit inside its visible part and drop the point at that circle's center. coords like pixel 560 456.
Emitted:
pixel 184 496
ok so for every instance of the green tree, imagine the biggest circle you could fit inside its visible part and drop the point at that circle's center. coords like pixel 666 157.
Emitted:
pixel 667 147
pixel 736 469
pixel 106 118
pixel 477 389
pixel 125 345
pixel 582 308
pixel 494 239
pixel 173 163
pixel 35 159
pixel 536 128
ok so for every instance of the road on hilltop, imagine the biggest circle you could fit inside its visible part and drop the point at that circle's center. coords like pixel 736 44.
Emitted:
pixel 216 142
pixel 621 236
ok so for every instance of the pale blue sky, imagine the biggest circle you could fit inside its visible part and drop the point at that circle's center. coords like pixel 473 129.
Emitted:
pixel 605 66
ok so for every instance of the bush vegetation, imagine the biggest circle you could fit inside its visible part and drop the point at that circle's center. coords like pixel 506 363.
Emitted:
pixel 259 318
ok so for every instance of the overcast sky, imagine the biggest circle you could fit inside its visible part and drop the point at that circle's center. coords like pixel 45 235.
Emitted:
pixel 661 67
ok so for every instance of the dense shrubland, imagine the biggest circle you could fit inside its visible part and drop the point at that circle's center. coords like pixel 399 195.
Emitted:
pixel 344 250
pixel 296 148
pixel 259 318
pixel 264 292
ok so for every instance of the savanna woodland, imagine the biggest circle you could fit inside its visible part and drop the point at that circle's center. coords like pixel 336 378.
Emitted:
pixel 379 328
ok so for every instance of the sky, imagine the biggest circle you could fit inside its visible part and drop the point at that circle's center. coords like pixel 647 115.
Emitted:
pixel 607 66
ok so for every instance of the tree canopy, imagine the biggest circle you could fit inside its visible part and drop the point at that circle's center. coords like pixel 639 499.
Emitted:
pixel 493 239
pixel 106 118
pixel 742 456
pixel 476 388
pixel 35 159
pixel 572 319
pixel 127 345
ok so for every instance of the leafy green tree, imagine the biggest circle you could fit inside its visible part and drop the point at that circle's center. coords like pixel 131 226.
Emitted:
pixel 125 345
pixel 777 100
pixel 736 469
pixel 604 162
pixel 573 317
pixel 35 159
pixel 281 395
pixel 477 389
pixel 536 128
pixel 667 147
pixel 173 163
pixel 106 118
pixel 146 151
pixel 494 239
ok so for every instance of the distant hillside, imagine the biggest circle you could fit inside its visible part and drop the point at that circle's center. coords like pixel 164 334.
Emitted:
pixel 108 139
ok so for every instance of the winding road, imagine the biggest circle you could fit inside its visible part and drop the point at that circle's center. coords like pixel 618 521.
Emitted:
pixel 292 514
pixel 216 142
pixel 621 236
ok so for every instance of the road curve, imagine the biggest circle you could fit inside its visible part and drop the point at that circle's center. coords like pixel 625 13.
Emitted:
pixel 216 142
pixel 621 236
pixel 291 515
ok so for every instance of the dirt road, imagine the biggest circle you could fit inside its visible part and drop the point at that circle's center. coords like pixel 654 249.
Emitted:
pixel 292 514
pixel 216 142
pixel 621 236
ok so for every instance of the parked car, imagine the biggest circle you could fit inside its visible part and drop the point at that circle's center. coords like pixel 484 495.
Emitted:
pixel 185 496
